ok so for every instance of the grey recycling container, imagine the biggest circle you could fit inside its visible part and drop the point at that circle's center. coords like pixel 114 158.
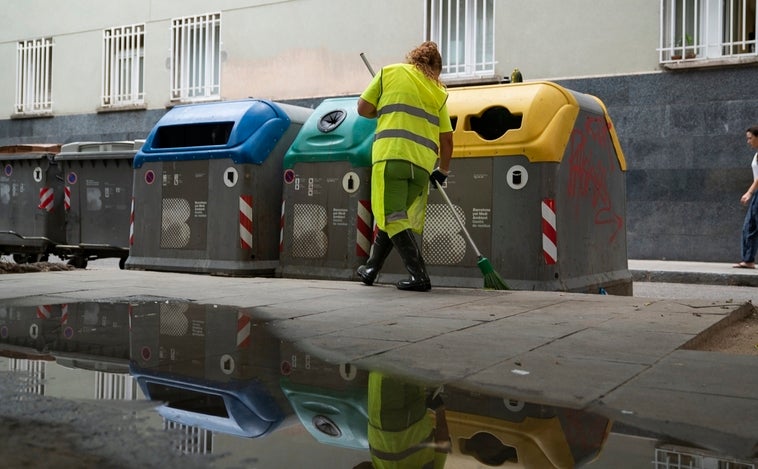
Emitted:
pixel 31 202
pixel 538 176
pixel 98 178
pixel 327 226
pixel 207 188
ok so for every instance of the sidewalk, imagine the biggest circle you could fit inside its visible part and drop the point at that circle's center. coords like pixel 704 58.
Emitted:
pixel 707 273
pixel 599 353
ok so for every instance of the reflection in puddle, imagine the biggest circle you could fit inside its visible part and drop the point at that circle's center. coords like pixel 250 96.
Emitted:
pixel 229 386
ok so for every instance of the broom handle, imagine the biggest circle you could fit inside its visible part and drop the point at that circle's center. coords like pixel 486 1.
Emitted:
pixel 460 222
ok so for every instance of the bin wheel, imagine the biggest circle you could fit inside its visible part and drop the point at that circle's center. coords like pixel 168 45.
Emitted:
pixel 122 263
pixel 20 258
pixel 30 258
pixel 78 262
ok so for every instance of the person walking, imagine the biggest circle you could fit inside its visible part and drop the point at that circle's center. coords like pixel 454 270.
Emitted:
pixel 750 225
pixel 413 131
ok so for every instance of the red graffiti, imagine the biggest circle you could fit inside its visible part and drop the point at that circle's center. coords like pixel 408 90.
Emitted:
pixel 591 159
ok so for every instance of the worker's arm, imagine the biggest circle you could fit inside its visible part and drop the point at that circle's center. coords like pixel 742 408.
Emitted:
pixel 446 151
pixel 366 109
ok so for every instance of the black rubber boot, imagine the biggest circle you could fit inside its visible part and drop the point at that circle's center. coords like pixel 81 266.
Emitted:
pixel 381 249
pixel 409 251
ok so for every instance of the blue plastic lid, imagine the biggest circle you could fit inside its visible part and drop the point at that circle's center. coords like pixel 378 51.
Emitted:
pixel 244 131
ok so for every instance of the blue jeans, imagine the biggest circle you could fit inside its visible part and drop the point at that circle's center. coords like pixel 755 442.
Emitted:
pixel 750 231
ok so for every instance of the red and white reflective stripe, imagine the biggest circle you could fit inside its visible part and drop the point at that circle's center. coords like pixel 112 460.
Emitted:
pixel 43 311
pixel 67 198
pixel 246 221
pixel 549 233
pixel 131 224
pixel 46 198
pixel 243 330
pixel 64 314
pixel 364 234
pixel 281 229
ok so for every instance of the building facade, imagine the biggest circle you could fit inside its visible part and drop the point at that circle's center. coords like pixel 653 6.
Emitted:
pixel 673 74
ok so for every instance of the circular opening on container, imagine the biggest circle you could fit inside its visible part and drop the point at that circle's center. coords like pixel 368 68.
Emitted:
pixel 326 426
pixel 494 122
pixel 488 449
pixel 331 120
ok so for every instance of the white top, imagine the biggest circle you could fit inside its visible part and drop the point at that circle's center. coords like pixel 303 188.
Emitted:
pixel 754 165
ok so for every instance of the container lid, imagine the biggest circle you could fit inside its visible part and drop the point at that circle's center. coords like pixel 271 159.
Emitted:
pixel 334 132
pixel 97 150
pixel 29 151
pixel 244 131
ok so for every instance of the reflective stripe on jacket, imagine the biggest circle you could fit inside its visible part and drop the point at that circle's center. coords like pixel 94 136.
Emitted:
pixel 408 111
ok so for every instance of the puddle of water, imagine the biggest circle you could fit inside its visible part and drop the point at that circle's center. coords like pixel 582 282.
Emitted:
pixel 217 386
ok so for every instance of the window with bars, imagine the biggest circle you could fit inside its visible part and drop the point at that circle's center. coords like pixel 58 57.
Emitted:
pixel 195 57
pixel 34 76
pixel 707 29
pixel 465 32
pixel 123 66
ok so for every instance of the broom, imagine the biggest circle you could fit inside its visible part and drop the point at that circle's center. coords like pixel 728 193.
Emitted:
pixel 492 279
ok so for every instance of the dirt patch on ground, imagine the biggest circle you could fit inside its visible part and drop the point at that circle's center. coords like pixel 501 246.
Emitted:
pixel 13 268
pixel 738 337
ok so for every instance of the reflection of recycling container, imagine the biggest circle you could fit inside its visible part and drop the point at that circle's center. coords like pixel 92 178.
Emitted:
pixel 327 223
pixel 31 202
pixel 94 335
pixel 207 188
pixel 98 188
pixel 538 177
pixel 503 432
pixel 211 367
pixel 330 400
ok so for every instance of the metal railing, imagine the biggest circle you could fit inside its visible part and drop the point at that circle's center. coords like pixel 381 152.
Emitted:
pixel 464 31
pixel 123 66
pixel 692 30
pixel 196 57
pixel 34 76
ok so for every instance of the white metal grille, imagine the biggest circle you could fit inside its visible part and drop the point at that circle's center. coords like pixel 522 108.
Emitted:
pixel 175 232
pixel 672 457
pixel 707 29
pixel 34 76
pixel 115 386
pixel 33 381
pixel 174 321
pixel 444 243
pixel 123 65
pixel 194 440
pixel 465 33
pixel 308 237
pixel 195 57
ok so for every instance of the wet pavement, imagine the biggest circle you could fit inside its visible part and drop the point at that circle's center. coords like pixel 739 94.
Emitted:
pixel 262 372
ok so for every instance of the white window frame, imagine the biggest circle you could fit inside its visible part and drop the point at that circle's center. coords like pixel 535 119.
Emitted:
pixel 34 76
pixel 196 58
pixel 464 30
pixel 707 30
pixel 123 74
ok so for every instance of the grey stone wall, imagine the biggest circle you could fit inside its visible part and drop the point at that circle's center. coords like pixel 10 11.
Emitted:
pixel 683 136
pixel 682 133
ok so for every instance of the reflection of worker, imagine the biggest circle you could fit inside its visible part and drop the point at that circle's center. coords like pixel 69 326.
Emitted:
pixel 401 431
pixel 413 129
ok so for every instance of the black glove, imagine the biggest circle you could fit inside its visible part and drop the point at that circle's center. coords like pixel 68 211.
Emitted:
pixel 437 177
pixel 434 402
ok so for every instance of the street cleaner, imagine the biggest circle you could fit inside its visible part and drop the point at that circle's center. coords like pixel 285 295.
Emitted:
pixel 413 131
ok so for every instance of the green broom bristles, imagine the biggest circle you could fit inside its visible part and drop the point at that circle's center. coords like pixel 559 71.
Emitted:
pixel 492 279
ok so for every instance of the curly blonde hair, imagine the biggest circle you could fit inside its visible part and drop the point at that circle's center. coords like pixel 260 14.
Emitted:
pixel 428 59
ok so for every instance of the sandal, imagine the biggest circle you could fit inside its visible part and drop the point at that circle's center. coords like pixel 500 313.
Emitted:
pixel 744 265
